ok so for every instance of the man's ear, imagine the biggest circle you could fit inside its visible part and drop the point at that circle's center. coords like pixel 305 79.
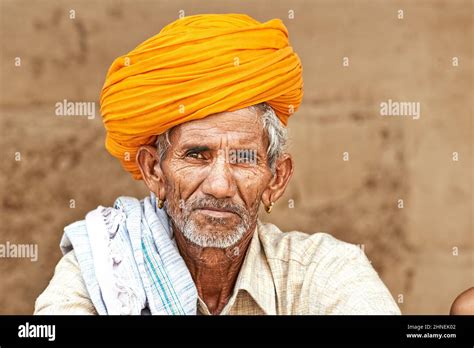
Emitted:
pixel 150 168
pixel 277 185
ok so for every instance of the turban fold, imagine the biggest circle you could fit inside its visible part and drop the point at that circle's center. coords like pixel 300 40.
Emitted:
pixel 195 67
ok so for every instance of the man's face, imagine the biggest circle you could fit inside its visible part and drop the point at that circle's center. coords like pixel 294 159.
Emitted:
pixel 216 170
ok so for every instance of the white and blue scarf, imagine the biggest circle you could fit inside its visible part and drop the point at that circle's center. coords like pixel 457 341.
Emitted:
pixel 129 260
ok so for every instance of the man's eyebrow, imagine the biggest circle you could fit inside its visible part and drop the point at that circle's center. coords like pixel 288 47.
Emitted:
pixel 196 148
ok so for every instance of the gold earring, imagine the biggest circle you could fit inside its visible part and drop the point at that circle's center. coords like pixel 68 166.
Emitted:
pixel 161 203
pixel 269 208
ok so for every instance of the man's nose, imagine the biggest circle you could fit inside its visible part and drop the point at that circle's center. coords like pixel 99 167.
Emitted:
pixel 219 182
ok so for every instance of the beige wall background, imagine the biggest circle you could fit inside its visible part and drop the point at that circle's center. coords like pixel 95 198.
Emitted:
pixel 423 252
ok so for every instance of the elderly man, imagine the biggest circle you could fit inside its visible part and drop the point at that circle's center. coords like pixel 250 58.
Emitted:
pixel 199 113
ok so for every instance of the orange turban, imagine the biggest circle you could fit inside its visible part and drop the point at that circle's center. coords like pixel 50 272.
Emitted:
pixel 195 67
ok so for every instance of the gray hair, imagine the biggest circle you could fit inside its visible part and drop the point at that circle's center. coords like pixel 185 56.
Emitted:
pixel 277 135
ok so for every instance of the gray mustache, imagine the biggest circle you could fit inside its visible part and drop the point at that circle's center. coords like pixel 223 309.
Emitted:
pixel 218 204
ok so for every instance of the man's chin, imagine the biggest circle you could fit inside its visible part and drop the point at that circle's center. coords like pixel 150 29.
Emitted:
pixel 212 228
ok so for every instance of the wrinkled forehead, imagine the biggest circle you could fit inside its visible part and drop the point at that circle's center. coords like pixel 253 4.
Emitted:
pixel 242 127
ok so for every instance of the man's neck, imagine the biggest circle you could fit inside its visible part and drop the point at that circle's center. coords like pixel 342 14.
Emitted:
pixel 214 270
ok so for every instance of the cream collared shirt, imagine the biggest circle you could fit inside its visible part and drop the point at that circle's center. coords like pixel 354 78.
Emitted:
pixel 282 273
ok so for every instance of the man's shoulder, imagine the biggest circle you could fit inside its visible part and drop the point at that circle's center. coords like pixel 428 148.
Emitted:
pixel 303 248
pixel 328 275
pixel 67 292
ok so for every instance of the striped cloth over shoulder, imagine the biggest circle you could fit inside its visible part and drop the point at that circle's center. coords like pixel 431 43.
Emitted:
pixel 129 261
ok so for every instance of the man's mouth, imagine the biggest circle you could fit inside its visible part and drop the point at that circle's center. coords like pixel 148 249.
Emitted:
pixel 216 212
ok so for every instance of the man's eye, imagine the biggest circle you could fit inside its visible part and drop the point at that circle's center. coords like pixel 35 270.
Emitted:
pixel 194 154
